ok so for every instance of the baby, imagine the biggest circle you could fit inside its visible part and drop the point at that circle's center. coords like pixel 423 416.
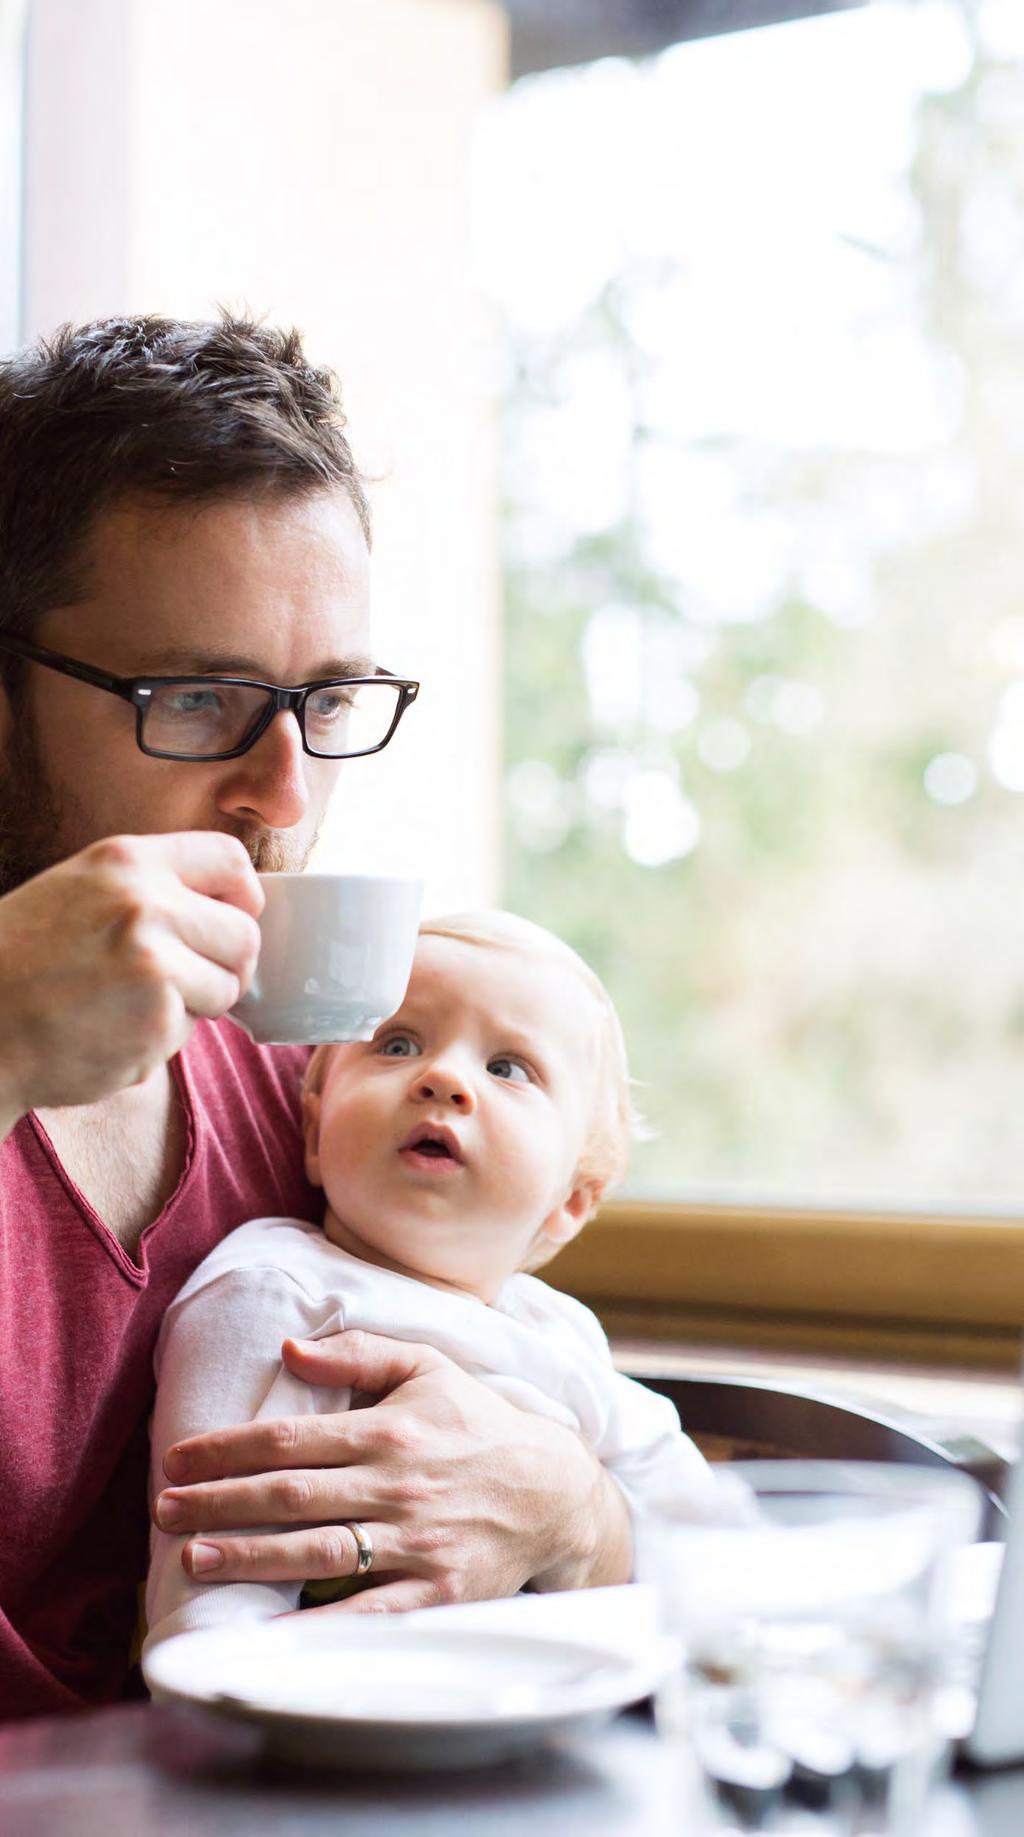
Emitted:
pixel 463 1145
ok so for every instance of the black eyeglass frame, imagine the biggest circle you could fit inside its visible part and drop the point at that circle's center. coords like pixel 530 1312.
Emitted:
pixel 138 689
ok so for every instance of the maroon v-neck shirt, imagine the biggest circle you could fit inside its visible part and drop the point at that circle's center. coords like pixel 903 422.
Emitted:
pixel 78 1322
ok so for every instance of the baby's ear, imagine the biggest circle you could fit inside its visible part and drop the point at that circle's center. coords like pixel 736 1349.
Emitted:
pixel 311 1134
pixel 561 1225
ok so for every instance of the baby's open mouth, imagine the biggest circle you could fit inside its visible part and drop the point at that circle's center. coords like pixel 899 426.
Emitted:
pixel 432 1145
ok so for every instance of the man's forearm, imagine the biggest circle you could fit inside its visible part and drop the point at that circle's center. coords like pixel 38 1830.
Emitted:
pixel 602 1539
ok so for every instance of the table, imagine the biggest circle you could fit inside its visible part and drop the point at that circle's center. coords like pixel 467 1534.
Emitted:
pixel 141 1770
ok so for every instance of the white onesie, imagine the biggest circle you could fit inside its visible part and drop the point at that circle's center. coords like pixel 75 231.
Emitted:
pixel 218 1362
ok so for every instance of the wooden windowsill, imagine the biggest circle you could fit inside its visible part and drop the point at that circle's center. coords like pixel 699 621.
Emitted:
pixel 929 1291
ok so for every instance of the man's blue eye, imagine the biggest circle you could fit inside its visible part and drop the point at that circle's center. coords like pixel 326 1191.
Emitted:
pixel 510 1069
pixel 399 1046
pixel 189 701
pixel 327 705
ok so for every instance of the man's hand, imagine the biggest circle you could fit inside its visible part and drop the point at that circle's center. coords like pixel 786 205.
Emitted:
pixel 464 1496
pixel 106 960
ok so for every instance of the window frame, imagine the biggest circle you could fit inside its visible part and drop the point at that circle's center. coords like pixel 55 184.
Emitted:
pixel 942 1289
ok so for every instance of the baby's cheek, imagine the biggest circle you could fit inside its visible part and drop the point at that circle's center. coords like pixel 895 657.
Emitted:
pixel 524 1175
pixel 348 1158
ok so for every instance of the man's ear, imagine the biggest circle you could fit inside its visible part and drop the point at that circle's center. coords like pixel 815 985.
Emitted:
pixel 311 1135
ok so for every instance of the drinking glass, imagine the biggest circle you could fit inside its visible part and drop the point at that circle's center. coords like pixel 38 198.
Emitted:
pixel 813 1636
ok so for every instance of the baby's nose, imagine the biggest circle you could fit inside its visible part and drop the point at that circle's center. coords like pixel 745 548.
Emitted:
pixel 441 1085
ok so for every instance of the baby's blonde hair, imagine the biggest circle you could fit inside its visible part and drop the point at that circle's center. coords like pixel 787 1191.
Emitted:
pixel 605 1153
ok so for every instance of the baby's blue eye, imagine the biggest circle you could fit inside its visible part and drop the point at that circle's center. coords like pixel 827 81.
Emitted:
pixel 510 1069
pixel 399 1046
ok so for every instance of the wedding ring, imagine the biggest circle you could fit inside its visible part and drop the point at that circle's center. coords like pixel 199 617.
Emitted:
pixel 364 1547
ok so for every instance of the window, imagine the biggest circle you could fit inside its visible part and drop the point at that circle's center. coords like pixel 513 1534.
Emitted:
pixel 765 584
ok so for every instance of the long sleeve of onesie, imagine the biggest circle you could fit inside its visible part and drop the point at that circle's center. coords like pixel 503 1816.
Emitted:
pixel 218 1363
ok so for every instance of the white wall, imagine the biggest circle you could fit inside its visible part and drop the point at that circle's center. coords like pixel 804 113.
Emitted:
pixel 12 34
pixel 310 159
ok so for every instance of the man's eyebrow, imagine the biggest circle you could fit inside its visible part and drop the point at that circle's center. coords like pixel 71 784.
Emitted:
pixel 189 661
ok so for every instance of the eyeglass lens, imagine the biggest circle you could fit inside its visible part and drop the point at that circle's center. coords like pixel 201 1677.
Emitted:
pixel 201 719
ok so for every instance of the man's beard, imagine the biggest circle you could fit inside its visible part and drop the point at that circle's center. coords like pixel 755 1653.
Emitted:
pixel 31 819
pixel 272 853
pixel 38 828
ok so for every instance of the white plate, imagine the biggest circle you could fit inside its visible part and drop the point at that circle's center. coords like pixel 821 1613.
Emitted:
pixel 400 1694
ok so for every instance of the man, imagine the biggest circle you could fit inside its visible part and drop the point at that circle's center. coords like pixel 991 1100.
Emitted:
pixel 179 503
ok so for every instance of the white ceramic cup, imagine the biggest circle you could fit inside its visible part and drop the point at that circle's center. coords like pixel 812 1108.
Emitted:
pixel 335 956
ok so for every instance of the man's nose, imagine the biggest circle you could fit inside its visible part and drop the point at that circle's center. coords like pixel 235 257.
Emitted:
pixel 269 781
pixel 444 1082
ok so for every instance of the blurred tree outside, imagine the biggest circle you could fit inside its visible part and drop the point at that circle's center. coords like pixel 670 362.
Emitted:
pixel 764 723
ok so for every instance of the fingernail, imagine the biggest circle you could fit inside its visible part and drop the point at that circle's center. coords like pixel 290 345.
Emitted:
pixel 203 1557
pixel 303 1345
pixel 170 1512
pixel 175 1464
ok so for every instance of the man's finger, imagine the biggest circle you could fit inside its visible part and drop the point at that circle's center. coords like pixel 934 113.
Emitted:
pixel 218 931
pixel 323 1554
pixel 368 1362
pixel 245 1449
pixel 206 860
pixel 390 1598
pixel 300 1497
pixel 205 988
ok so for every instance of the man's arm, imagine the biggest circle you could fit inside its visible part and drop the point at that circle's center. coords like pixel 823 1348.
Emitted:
pixel 107 958
pixel 596 1537
pixel 465 1496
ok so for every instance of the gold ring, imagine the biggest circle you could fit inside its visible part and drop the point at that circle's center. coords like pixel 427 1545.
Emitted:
pixel 364 1547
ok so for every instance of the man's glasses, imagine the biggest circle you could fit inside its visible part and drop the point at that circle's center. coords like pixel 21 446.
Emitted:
pixel 220 717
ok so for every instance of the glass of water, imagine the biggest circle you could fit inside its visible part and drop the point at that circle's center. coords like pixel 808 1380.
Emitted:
pixel 813 1632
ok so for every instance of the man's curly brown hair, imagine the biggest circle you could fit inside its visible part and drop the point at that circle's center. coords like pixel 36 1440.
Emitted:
pixel 148 405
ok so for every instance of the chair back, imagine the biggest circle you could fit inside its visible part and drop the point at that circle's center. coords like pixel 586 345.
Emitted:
pixel 753 1419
